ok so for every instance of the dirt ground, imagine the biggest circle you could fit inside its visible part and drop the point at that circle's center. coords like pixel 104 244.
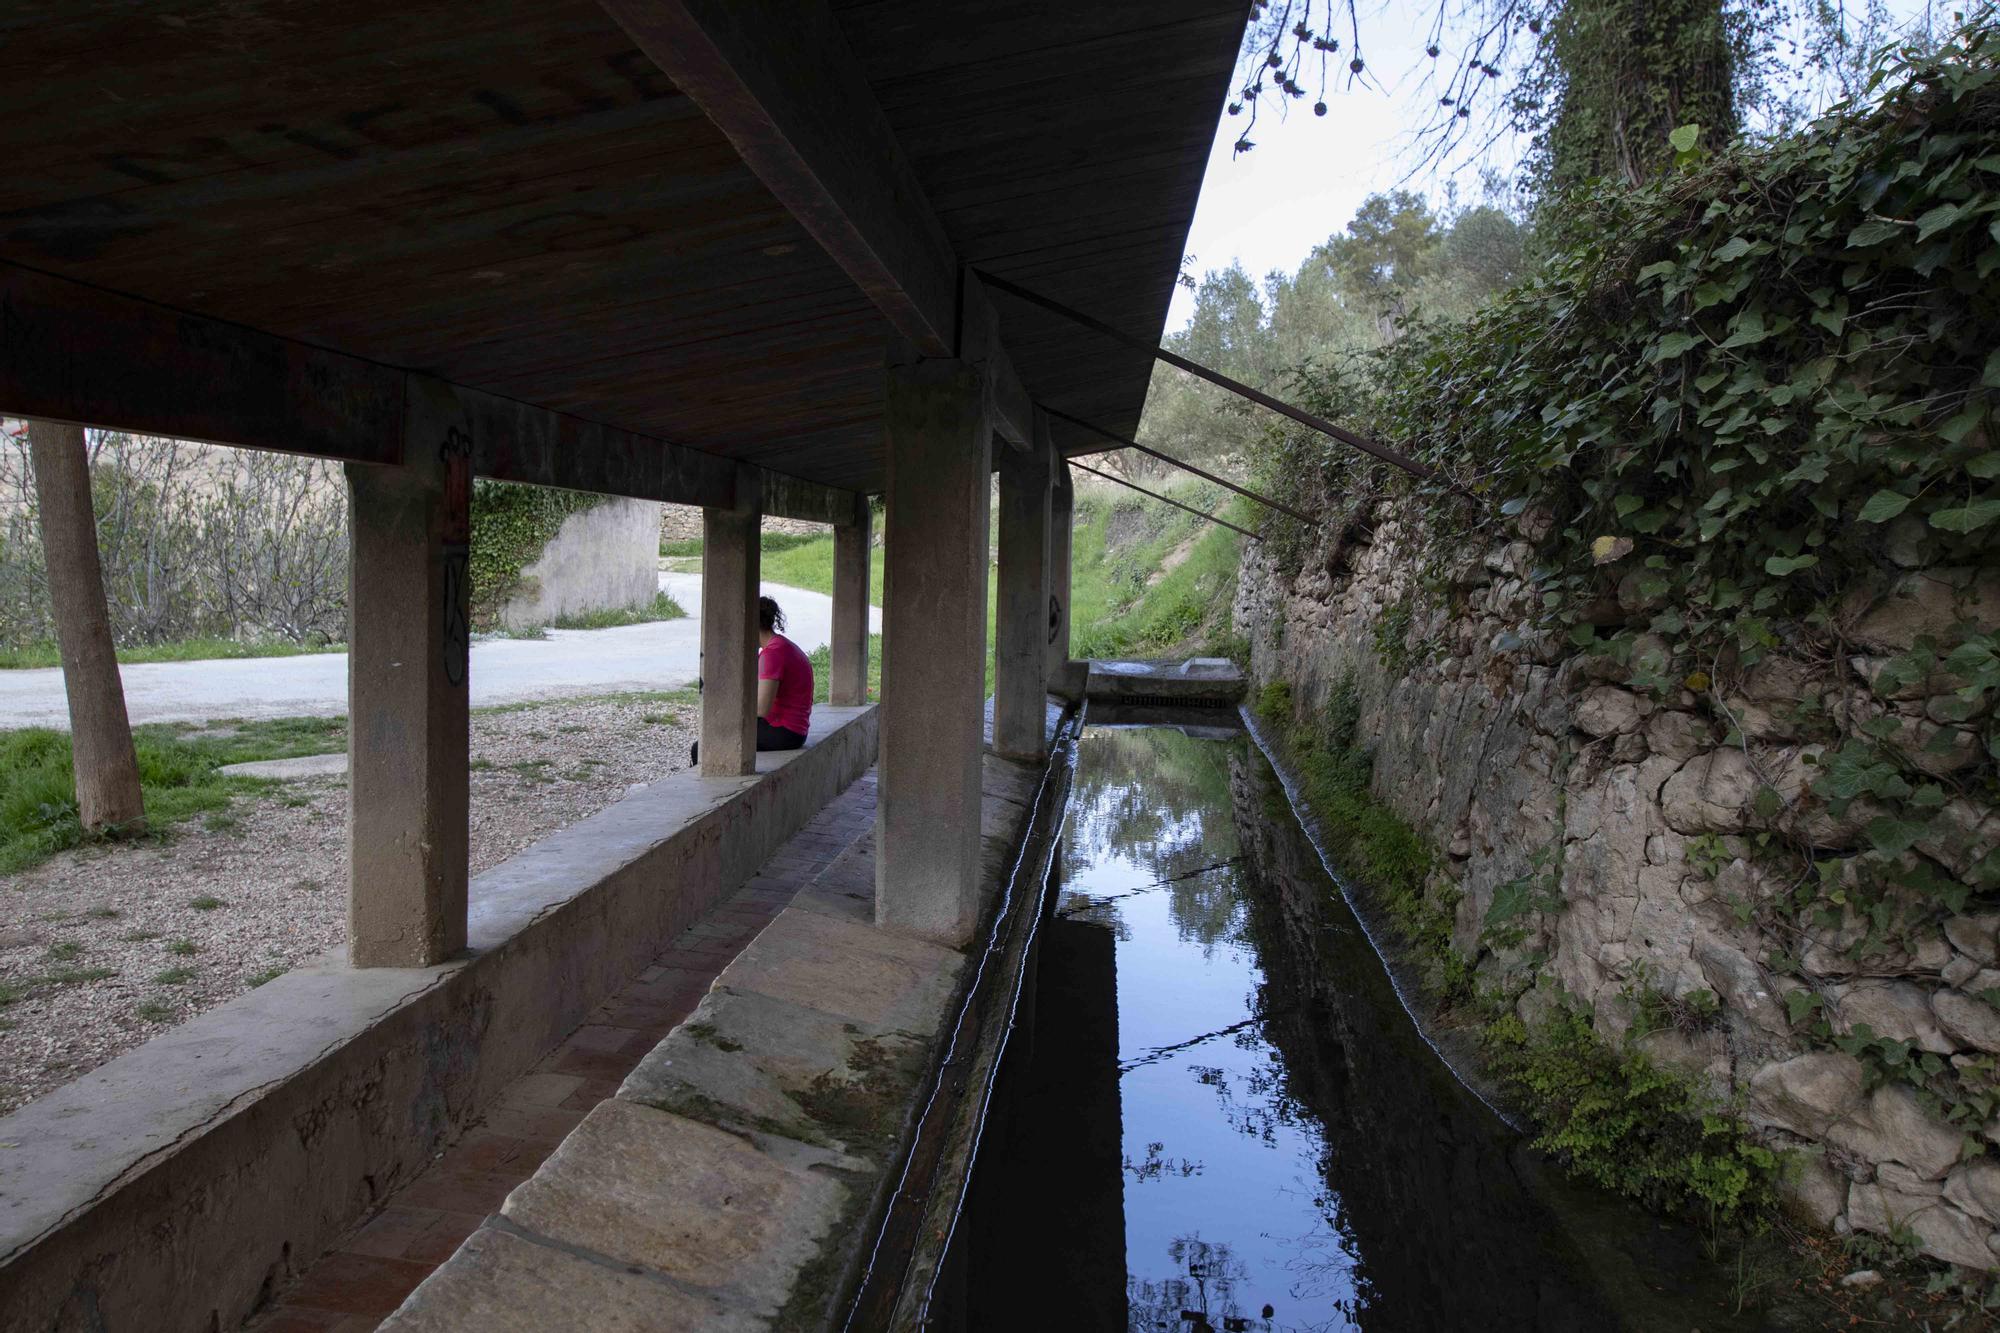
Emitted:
pixel 107 946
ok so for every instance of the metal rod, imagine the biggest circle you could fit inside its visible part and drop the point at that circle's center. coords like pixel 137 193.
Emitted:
pixel 1300 415
pixel 1164 500
pixel 1151 452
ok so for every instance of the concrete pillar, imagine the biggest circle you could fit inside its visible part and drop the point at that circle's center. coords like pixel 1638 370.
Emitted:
pixel 409 636
pixel 729 572
pixel 1021 619
pixel 1062 518
pixel 850 608
pixel 939 420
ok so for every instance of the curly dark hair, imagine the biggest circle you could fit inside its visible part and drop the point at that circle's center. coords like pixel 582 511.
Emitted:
pixel 769 616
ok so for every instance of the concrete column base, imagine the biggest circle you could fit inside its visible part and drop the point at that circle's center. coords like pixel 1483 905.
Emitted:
pixel 849 650
pixel 409 639
pixel 1021 623
pixel 729 576
pixel 1062 520
pixel 939 420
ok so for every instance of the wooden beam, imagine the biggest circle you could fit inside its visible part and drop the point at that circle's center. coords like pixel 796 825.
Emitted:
pixel 520 442
pixel 810 502
pixel 73 352
pixel 777 78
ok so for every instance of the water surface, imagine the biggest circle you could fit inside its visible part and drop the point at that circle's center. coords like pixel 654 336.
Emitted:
pixel 1224 1116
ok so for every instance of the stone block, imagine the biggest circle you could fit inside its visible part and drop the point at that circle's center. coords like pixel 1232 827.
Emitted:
pixel 857 972
pixel 1974 1187
pixel 1897 1009
pixel 1892 1127
pixel 500 1282
pixel 662 1193
pixel 1807 1095
pixel 751 1062
pixel 1967 1021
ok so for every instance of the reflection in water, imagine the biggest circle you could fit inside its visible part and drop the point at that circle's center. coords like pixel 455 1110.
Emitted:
pixel 1293 1156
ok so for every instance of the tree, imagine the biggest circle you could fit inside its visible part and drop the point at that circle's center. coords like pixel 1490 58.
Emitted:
pixel 107 768
pixel 1622 75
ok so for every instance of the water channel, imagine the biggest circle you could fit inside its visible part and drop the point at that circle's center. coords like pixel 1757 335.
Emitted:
pixel 1217 1113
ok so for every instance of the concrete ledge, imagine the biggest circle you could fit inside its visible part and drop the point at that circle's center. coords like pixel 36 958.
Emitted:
pixel 1199 680
pixel 175 1187
pixel 740 1163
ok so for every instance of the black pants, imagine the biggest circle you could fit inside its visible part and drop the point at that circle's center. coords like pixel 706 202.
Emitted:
pixel 778 738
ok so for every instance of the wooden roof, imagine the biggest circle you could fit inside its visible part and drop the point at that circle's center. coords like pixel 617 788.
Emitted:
pixel 514 197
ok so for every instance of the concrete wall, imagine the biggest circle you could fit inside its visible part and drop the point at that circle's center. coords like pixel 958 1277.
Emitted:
pixel 175 1187
pixel 603 557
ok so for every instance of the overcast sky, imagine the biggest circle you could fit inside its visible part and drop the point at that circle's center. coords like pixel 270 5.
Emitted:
pixel 1302 182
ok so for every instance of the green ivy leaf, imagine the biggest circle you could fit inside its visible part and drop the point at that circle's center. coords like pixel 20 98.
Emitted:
pixel 1684 138
pixel 1673 345
pixel 1965 518
pixel 1732 249
pixel 1986 466
pixel 1873 233
pixel 1892 836
pixel 1783 566
pixel 1884 505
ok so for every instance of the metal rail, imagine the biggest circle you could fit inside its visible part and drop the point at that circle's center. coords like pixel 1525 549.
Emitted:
pixel 1164 500
pixel 1151 452
pixel 1367 446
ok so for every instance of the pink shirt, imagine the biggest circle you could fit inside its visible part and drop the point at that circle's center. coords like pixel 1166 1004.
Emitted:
pixel 781 660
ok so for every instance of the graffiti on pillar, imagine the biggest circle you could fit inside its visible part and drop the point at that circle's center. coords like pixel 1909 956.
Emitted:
pixel 1055 617
pixel 455 454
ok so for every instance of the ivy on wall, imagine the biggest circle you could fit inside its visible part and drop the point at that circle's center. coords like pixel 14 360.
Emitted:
pixel 1727 417
pixel 511 523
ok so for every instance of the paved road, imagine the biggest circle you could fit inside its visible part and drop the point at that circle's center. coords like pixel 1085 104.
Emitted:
pixel 660 656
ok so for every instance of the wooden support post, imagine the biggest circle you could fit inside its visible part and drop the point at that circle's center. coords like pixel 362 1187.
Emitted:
pixel 729 574
pixel 1062 518
pixel 940 439
pixel 409 641
pixel 849 649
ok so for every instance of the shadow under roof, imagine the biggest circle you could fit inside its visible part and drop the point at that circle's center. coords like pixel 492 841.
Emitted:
pixel 513 197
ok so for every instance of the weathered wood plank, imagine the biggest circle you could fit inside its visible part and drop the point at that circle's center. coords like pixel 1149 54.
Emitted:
pixel 777 78
pixel 70 352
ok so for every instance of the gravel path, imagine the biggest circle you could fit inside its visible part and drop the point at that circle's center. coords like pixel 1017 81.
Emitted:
pixel 105 947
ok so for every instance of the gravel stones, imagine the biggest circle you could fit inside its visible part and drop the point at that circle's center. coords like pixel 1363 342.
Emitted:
pixel 110 945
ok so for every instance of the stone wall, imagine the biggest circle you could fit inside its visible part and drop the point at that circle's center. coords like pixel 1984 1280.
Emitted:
pixel 606 557
pixel 683 523
pixel 1638 823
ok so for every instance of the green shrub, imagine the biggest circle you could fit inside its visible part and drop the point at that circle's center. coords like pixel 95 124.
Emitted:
pixel 511 524
pixel 1616 1118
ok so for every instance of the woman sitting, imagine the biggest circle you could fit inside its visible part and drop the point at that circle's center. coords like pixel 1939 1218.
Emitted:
pixel 784 683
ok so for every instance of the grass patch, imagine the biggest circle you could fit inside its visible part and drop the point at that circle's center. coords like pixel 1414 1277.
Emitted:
pixel 1388 858
pixel 263 975
pixel 67 951
pixel 681 697
pixel 177 772
pixel 183 948
pixel 35 655
pixel 1124 600
pixel 175 976
pixel 76 976
pixel 808 563
pixel 206 903
pixel 153 1011
pixel 662 607
pixel 822 665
